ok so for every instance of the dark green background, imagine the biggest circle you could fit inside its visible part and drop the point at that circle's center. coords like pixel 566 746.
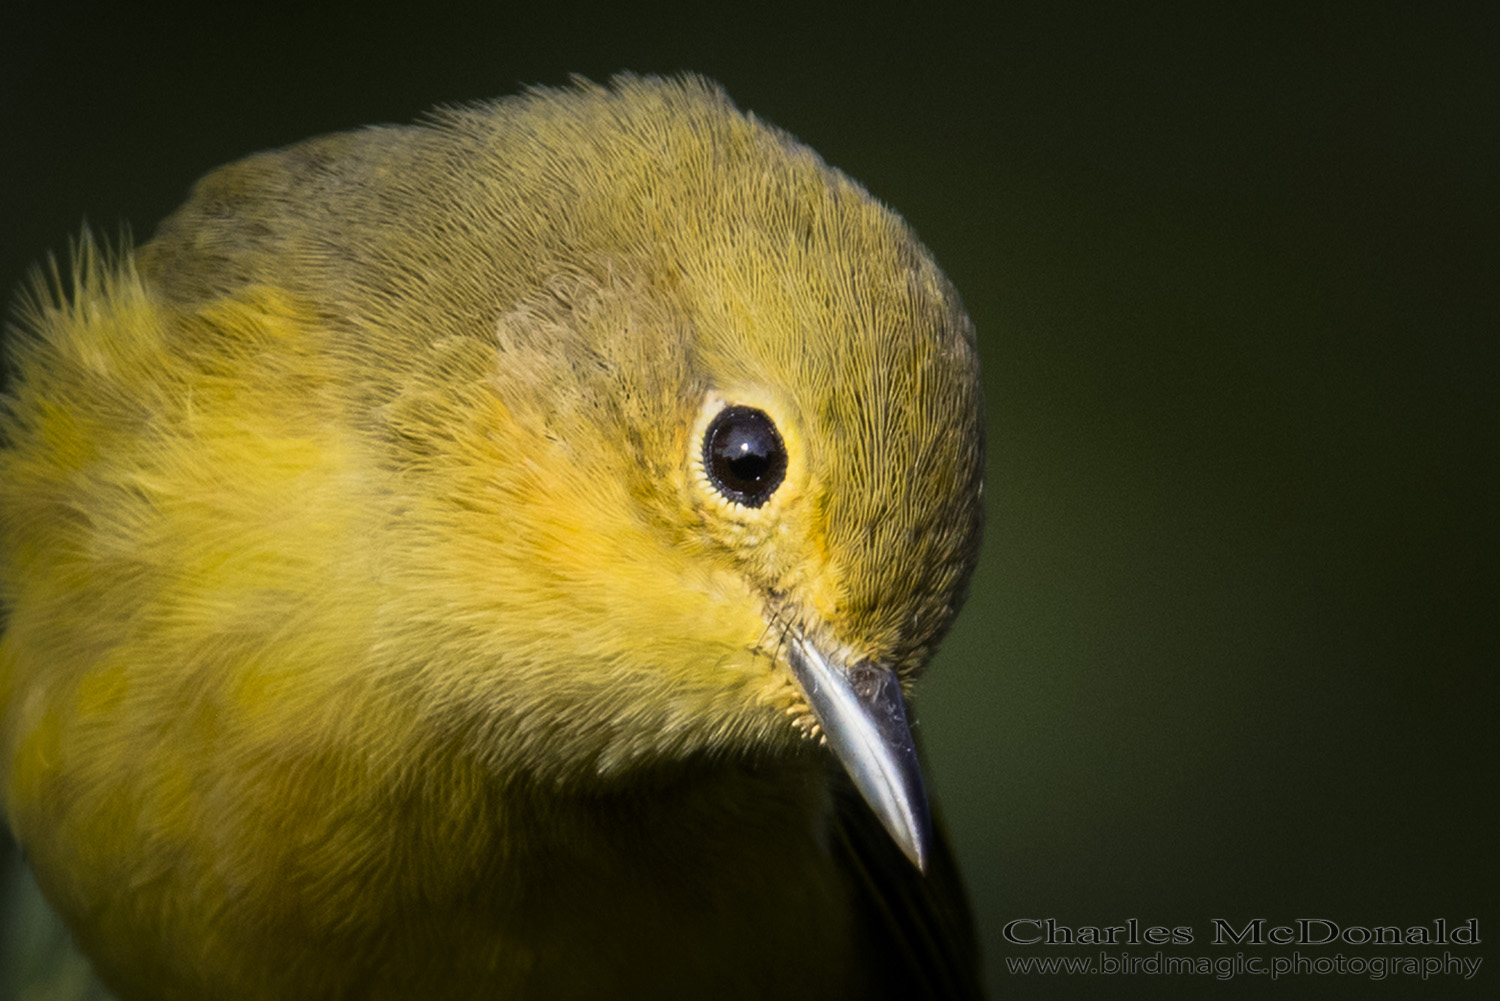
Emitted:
pixel 1230 651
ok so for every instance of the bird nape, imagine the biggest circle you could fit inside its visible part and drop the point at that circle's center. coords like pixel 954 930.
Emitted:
pixel 489 558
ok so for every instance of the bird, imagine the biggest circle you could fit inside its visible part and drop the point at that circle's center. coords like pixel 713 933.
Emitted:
pixel 491 557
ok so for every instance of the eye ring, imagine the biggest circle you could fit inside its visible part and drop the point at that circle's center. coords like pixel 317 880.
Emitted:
pixel 744 455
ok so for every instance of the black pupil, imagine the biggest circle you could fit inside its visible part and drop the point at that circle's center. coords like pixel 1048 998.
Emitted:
pixel 744 455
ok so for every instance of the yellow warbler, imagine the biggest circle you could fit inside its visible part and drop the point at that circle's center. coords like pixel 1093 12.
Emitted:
pixel 486 559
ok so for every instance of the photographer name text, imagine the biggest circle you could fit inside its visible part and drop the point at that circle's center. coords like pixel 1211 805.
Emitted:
pixel 1252 931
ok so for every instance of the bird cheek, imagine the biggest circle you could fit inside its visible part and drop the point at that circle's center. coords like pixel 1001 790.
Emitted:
pixel 825 594
pixel 805 570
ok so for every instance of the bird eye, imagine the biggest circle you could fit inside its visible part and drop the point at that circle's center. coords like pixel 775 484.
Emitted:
pixel 744 455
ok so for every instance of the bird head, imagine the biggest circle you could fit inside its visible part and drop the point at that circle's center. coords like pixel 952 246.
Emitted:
pixel 678 431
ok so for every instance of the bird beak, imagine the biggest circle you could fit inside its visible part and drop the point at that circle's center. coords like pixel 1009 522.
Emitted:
pixel 863 717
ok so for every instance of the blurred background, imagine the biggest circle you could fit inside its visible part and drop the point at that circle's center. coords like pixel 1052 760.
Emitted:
pixel 1230 653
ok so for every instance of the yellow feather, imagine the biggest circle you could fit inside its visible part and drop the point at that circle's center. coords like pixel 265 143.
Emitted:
pixel 373 625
